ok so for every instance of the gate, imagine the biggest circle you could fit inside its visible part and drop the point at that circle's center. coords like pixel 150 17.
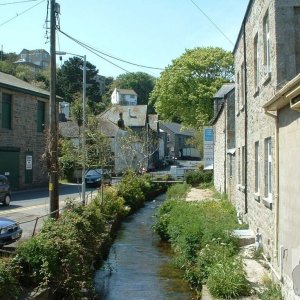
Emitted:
pixel 9 165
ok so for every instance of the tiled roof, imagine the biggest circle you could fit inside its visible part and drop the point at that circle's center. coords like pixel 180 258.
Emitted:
pixel 133 115
pixel 176 128
pixel 69 129
pixel 11 82
pixel 127 92
pixel 224 90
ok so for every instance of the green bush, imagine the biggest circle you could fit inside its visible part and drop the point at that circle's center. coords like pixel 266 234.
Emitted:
pixel 199 233
pixel 133 189
pixel 9 286
pixel 195 178
pixel 227 279
pixel 178 191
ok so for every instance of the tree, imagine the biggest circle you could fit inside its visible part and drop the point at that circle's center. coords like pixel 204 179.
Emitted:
pixel 185 89
pixel 70 77
pixel 142 83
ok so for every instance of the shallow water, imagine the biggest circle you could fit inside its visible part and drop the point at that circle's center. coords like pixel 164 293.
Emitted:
pixel 139 265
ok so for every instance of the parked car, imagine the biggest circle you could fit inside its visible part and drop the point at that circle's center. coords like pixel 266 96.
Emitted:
pixel 95 177
pixel 5 192
pixel 10 231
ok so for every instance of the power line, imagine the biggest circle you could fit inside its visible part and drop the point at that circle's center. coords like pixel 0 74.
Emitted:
pixel 212 22
pixel 21 13
pixel 17 2
pixel 92 51
pixel 113 57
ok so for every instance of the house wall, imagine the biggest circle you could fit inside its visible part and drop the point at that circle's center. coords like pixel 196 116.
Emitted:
pixel 219 153
pixel 289 193
pixel 252 124
pixel 24 135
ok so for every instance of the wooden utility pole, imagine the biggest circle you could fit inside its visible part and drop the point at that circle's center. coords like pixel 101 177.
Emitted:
pixel 53 155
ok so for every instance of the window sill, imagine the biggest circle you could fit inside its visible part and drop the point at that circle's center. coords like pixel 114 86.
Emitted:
pixel 267 202
pixel 256 93
pixel 257 197
pixel 267 78
pixel 241 188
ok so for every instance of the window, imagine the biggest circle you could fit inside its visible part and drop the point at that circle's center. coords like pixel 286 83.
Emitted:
pixel 238 91
pixel 256 63
pixel 256 167
pixel 268 169
pixel 6 110
pixel 267 50
pixel 243 166
pixel 239 166
pixel 40 116
pixel 242 85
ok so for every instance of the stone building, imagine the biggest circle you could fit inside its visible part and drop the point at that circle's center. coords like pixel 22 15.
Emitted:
pixel 23 117
pixel 284 107
pixel 224 142
pixel 267 56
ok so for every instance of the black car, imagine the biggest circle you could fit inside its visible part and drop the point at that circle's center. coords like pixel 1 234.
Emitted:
pixel 95 177
pixel 5 192
pixel 10 231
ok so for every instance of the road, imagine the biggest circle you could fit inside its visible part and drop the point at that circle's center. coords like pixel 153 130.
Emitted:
pixel 27 206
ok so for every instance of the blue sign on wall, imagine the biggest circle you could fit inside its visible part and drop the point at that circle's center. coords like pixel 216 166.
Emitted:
pixel 208 134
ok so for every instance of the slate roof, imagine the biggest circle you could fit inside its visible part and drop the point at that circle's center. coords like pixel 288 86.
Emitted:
pixel 133 115
pixel 126 92
pixel 14 83
pixel 224 90
pixel 70 128
pixel 176 128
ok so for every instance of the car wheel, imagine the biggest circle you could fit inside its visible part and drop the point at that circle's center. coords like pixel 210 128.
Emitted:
pixel 6 200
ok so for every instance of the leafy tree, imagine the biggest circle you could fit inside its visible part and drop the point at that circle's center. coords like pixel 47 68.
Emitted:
pixel 142 83
pixel 69 80
pixel 185 89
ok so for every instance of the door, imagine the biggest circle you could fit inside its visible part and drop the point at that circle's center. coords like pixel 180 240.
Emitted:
pixel 9 166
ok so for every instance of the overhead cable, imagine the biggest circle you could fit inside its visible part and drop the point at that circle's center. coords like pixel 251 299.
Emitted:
pixel 113 57
pixel 212 22
pixel 21 13
pixel 17 2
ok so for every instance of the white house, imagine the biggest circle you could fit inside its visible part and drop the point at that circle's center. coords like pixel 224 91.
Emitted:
pixel 124 97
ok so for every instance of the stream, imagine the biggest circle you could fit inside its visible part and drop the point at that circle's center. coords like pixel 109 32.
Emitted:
pixel 139 265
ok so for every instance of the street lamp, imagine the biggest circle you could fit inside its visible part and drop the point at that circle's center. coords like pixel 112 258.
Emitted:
pixel 83 122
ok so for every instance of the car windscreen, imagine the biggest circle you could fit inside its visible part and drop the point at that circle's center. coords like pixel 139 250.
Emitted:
pixel 93 173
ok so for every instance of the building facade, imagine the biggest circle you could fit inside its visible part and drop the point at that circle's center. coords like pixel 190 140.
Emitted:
pixel 266 188
pixel 23 120
pixel 124 97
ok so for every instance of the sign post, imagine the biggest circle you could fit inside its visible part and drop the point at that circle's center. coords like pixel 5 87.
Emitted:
pixel 208 148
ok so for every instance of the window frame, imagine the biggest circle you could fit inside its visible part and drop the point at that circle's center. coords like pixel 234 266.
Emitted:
pixel 41 108
pixel 7 103
pixel 268 169
pixel 256 167
pixel 267 48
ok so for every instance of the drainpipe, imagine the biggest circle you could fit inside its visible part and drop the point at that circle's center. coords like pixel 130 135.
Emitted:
pixel 246 118
pixel 225 145
pixel 276 194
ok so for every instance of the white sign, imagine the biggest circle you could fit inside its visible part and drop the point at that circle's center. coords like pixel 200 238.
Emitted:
pixel 208 147
pixel 28 162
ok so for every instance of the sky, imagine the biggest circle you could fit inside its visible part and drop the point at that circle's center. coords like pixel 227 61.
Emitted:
pixel 145 32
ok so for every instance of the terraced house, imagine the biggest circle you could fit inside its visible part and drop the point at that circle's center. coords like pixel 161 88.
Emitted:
pixel 267 164
pixel 23 119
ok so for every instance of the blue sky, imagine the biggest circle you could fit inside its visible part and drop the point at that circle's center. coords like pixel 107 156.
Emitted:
pixel 146 32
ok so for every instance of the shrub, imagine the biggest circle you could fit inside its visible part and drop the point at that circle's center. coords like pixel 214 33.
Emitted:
pixel 227 279
pixel 178 191
pixel 194 178
pixel 133 188
pixel 9 287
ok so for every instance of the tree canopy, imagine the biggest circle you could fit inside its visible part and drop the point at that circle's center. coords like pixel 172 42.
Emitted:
pixel 142 83
pixel 185 90
pixel 69 80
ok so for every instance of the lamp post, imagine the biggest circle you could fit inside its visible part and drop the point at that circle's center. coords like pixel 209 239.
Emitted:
pixel 83 146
